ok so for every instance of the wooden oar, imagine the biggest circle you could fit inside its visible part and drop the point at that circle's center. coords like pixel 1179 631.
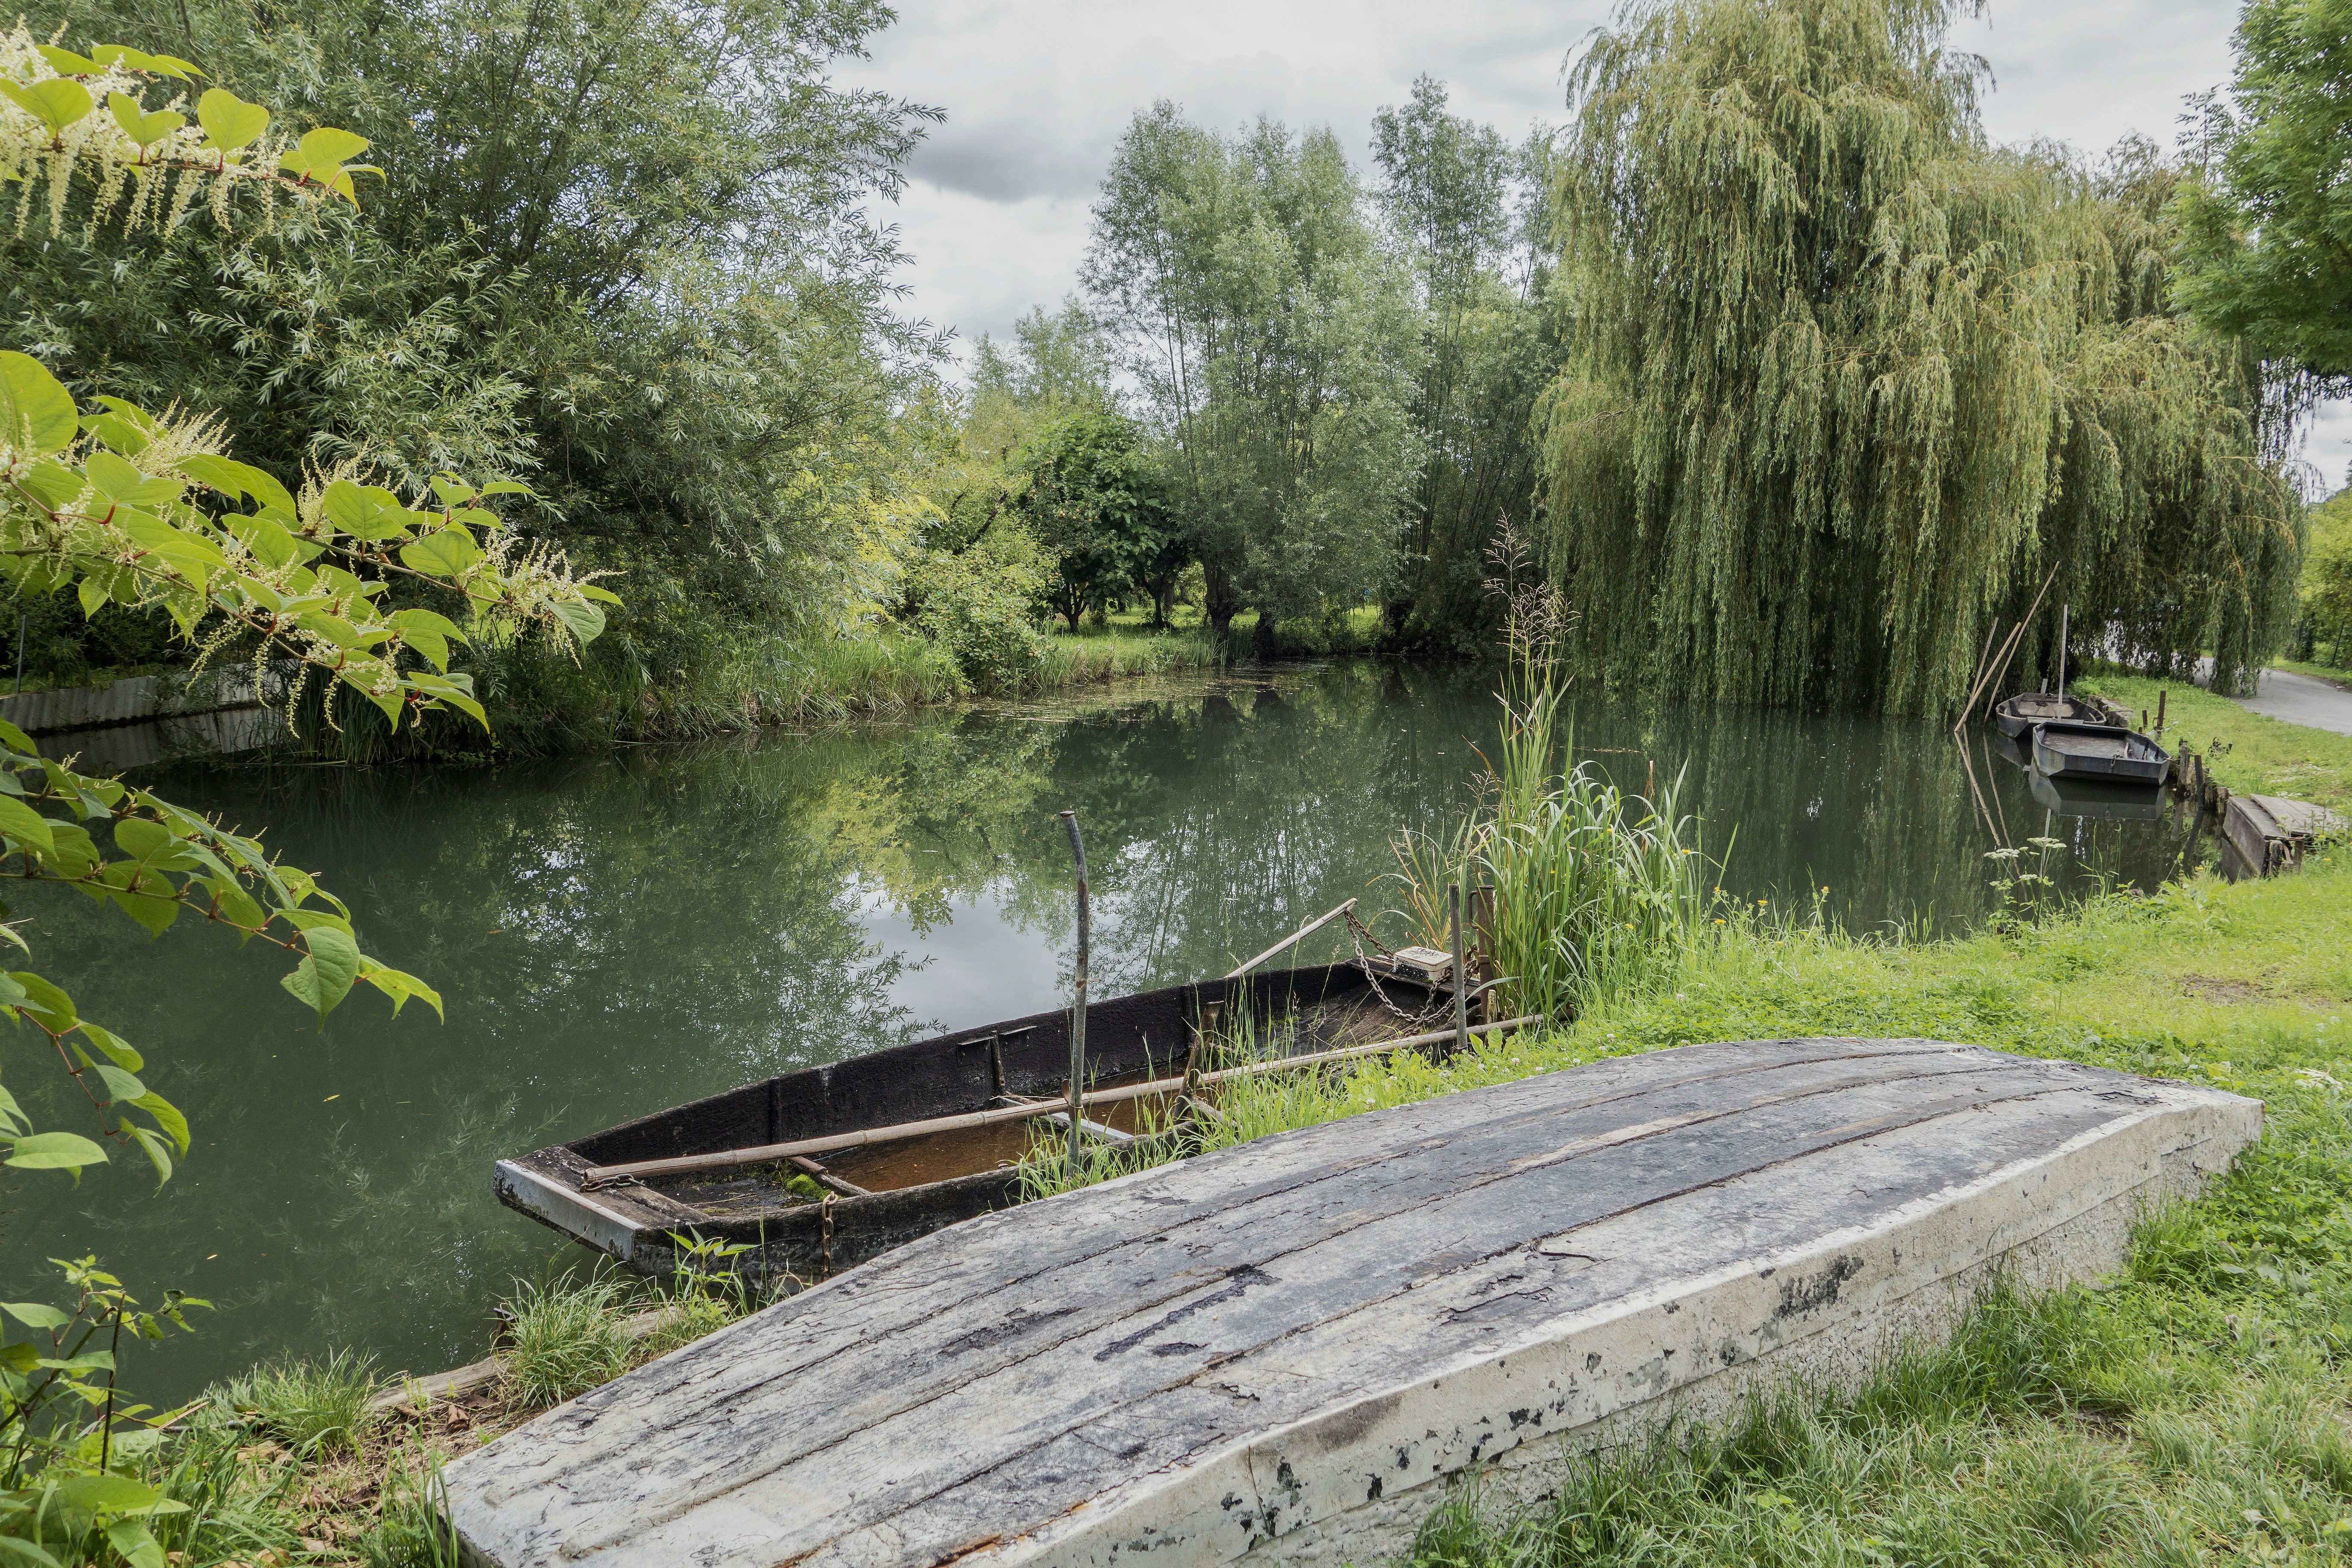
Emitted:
pixel 728 1158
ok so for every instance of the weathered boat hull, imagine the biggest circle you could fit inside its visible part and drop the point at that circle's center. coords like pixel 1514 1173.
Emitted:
pixel 967 1070
pixel 2017 715
pixel 1285 1351
pixel 2098 751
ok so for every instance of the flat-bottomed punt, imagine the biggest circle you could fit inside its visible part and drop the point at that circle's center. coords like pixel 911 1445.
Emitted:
pixel 886 1194
pixel 2017 715
pixel 1286 1350
pixel 2078 752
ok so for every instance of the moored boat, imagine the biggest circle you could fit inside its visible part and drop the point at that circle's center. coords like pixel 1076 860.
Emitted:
pixel 2018 714
pixel 822 1168
pixel 2083 752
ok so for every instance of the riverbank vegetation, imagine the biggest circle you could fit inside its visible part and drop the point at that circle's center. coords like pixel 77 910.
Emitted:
pixel 1289 389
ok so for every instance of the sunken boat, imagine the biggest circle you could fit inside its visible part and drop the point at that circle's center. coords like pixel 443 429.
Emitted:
pixel 2103 752
pixel 2018 715
pixel 819 1169
pixel 1286 1351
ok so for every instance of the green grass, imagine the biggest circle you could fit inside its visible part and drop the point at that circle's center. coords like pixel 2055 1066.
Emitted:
pixel 309 1407
pixel 2257 755
pixel 566 1338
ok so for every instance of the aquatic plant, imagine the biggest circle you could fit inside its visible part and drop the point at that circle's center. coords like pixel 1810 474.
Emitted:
pixel 1588 887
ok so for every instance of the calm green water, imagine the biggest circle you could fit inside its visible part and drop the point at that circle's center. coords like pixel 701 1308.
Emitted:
pixel 618 934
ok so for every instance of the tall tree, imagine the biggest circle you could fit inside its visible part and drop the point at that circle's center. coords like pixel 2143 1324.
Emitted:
pixel 1275 341
pixel 1460 208
pixel 1097 502
pixel 2265 242
pixel 626 247
pixel 1845 381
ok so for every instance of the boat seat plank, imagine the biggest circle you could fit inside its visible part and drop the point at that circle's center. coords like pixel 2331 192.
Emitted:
pixel 1134 1364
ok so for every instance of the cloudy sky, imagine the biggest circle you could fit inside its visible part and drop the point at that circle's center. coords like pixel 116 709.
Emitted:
pixel 1036 92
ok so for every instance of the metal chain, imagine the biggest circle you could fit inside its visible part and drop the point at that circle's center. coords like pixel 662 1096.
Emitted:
pixel 1360 933
pixel 824 1220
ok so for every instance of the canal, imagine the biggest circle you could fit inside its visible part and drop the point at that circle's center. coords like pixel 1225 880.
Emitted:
pixel 615 934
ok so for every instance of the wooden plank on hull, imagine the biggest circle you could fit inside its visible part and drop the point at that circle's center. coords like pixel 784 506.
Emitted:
pixel 1275 1348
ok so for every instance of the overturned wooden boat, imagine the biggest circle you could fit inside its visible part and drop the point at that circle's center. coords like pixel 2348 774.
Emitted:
pixel 827 1166
pixel 1287 1349
pixel 2017 715
pixel 2098 751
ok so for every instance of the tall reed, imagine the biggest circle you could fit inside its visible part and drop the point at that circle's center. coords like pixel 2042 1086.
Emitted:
pixel 1594 888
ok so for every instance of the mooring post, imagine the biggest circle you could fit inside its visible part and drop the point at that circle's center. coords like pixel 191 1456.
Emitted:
pixel 1461 971
pixel 1078 1001
pixel 2159 711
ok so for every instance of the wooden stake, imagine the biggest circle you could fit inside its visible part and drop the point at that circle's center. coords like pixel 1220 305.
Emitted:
pixel 1078 1001
pixel 1461 969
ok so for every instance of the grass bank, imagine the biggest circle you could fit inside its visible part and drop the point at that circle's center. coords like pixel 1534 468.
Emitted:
pixel 2250 753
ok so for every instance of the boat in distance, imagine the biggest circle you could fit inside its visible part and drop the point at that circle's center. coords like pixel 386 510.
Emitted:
pixel 737 1167
pixel 1286 1352
pixel 2080 752
pixel 2018 714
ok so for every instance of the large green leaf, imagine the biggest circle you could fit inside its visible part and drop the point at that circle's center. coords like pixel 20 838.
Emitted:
pixel 143 128
pixel 37 1314
pixel 56 103
pixel 324 978
pixel 55 1152
pixel 52 1006
pixel 442 554
pixel 34 409
pixel 228 121
pixel 22 823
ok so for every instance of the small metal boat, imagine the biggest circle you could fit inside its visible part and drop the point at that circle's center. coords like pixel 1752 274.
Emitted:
pixel 2077 753
pixel 737 1167
pixel 2018 714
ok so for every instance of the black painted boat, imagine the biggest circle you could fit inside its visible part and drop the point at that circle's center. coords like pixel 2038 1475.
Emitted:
pixel 2080 752
pixel 2018 714
pixel 808 1218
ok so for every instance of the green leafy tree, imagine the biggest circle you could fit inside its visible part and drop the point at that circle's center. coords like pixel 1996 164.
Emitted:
pixel 1275 340
pixel 1097 502
pixel 129 509
pixel 1844 382
pixel 1462 207
pixel 2264 239
pixel 627 251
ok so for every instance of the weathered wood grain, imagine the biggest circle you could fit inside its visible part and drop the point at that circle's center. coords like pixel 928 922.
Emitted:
pixel 1287 1344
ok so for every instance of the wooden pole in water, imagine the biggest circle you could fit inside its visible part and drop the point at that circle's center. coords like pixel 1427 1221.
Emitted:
pixel 2159 711
pixel 1293 940
pixel 2064 613
pixel 1078 1001
pixel 1461 971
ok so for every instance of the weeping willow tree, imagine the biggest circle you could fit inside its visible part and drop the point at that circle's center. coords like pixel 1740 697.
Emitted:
pixel 1845 382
